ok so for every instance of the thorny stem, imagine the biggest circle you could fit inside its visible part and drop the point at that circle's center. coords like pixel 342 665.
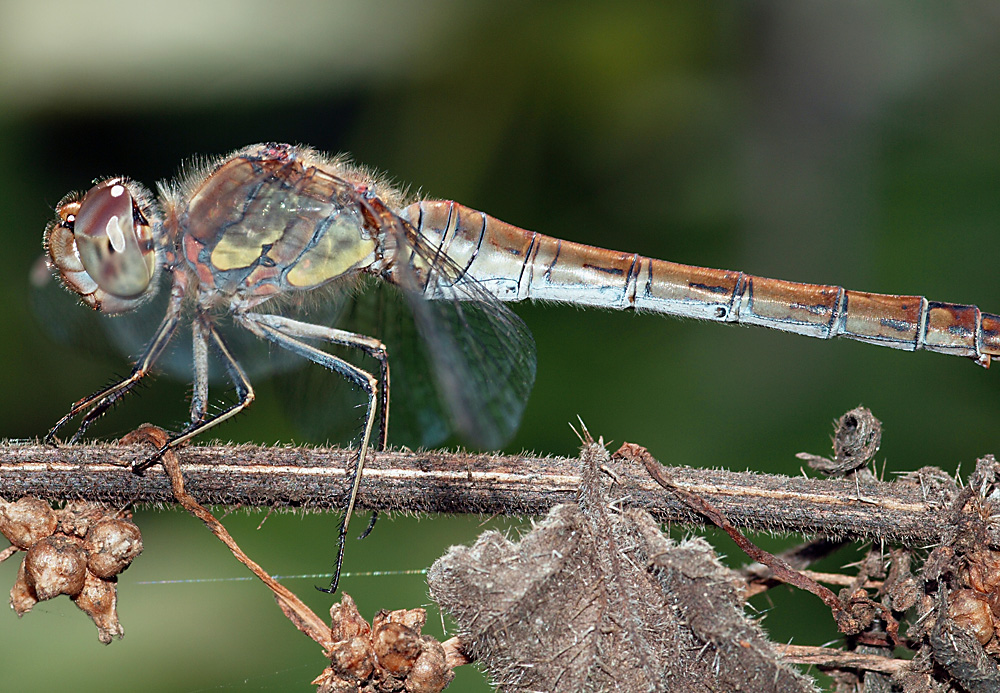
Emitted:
pixel 906 511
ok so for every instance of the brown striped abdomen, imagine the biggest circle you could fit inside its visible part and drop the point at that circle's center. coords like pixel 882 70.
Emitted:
pixel 514 264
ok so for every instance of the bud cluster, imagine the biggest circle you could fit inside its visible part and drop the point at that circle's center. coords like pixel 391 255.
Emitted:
pixel 77 550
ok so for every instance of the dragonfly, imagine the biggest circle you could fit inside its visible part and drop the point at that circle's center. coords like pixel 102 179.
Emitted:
pixel 253 236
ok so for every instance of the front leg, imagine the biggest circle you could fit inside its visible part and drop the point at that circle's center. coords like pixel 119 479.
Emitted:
pixel 99 403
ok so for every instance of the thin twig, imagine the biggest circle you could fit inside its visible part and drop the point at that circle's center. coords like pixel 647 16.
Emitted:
pixel 457 482
pixel 780 568
pixel 297 612
pixel 829 658
pixel 755 588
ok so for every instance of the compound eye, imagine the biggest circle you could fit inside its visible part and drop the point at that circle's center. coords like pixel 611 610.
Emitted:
pixel 114 251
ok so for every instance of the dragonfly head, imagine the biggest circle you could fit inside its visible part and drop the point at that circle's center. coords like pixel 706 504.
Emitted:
pixel 102 247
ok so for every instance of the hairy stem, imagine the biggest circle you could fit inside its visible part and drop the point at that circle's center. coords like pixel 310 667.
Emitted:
pixel 906 511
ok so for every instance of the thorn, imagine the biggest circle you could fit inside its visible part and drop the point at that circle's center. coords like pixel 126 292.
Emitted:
pixel 583 435
pixel 576 433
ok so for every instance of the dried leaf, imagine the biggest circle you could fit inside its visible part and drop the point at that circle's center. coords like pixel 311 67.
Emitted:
pixel 597 599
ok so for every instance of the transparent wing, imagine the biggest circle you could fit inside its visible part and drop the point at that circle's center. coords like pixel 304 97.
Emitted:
pixel 329 407
pixel 460 361
pixel 482 356
pixel 67 322
pixel 77 327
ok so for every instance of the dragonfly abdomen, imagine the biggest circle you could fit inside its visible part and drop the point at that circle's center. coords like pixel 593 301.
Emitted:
pixel 909 323
pixel 515 264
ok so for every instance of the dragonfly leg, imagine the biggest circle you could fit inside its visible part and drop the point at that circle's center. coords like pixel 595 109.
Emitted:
pixel 99 403
pixel 368 345
pixel 244 392
pixel 371 525
pixel 199 388
pixel 289 334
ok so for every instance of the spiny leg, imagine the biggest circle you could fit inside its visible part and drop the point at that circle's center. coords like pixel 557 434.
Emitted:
pixel 100 402
pixel 288 333
pixel 383 424
pixel 244 391
pixel 369 345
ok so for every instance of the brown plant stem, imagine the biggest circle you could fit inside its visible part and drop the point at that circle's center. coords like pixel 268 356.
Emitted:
pixel 780 568
pixel 297 612
pixel 829 658
pixel 905 511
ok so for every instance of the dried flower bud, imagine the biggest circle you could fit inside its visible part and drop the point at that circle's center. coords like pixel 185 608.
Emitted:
pixel 345 620
pixel 76 517
pixel 22 595
pixel 27 521
pixel 430 673
pixel 98 599
pixel 353 658
pixel 56 565
pixel 415 619
pixel 972 613
pixel 396 647
pixel 111 545
pixel 388 655
pixel 984 571
pixel 75 551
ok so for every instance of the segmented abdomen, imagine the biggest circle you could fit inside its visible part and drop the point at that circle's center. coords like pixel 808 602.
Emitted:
pixel 515 264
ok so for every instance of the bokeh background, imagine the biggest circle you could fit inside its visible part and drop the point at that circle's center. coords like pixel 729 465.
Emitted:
pixel 833 142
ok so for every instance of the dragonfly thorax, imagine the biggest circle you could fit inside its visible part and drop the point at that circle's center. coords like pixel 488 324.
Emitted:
pixel 260 225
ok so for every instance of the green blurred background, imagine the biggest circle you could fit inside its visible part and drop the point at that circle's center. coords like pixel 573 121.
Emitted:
pixel 832 142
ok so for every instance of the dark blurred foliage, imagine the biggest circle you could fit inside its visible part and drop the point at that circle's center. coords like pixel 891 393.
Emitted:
pixel 834 142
